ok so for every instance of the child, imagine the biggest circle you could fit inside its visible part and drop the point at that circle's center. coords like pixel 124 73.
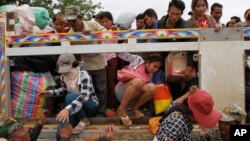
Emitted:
pixel 199 17
pixel 60 24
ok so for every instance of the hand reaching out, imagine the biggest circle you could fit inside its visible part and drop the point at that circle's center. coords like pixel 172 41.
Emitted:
pixel 114 27
pixel 44 93
pixel 193 89
pixel 110 131
pixel 63 115
pixel 218 27
pixel 86 32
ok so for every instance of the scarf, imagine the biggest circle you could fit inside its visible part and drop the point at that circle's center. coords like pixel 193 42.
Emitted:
pixel 72 80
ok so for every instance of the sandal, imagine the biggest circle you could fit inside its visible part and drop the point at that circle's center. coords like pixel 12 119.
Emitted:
pixel 125 120
pixel 79 127
pixel 138 114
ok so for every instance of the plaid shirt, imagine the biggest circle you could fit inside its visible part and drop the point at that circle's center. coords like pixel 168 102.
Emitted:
pixel 87 92
pixel 175 126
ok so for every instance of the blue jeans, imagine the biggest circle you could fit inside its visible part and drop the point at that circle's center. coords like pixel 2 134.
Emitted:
pixel 88 110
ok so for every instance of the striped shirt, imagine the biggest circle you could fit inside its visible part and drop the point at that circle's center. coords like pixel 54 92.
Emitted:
pixel 86 89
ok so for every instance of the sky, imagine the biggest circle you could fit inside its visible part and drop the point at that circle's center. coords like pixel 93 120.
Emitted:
pixel 116 7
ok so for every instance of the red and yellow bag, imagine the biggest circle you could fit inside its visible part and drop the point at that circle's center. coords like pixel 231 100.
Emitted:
pixel 162 99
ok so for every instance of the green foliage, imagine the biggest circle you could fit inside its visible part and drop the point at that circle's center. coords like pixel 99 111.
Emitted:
pixel 47 4
pixel 87 6
pixel 4 2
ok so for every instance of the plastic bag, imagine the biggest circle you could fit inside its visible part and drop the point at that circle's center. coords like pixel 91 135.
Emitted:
pixel 154 124
pixel 26 19
pixel 162 99
pixel 41 16
pixel 125 20
pixel 7 8
pixel 25 87
pixel 176 62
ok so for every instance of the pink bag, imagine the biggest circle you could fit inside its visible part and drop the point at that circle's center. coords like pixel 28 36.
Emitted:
pixel 126 74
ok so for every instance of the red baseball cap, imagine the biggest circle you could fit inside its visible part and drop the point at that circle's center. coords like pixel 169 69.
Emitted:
pixel 201 104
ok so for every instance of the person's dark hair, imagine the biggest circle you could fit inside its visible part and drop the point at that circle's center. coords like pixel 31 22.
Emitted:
pixel 236 18
pixel 57 15
pixel 182 108
pixel 246 12
pixel 190 13
pixel 153 57
pixel 150 12
pixel 227 25
pixel 106 14
pixel 194 2
pixel 247 17
pixel 216 5
pixel 77 61
pixel 178 4
pixel 139 16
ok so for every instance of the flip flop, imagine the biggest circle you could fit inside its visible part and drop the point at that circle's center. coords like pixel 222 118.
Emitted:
pixel 126 121
pixel 79 127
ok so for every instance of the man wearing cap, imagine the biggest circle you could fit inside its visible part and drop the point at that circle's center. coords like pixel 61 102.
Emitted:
pixel 93 63
pixel 231 115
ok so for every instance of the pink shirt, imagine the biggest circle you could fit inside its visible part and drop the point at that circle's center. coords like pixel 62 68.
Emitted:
pixel 137 63
pixel 109 56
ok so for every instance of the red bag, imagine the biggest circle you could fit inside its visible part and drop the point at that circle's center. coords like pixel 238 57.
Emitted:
pixel 126 74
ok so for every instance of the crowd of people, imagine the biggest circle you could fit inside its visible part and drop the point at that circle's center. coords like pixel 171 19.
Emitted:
pixel 91 88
